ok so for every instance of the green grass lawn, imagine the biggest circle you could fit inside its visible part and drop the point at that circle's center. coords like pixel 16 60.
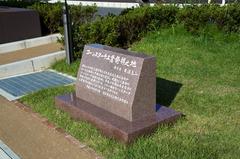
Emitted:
pixel 72 69
pixel 197 75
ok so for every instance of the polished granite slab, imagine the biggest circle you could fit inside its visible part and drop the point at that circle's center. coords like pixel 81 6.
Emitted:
pixel 112 125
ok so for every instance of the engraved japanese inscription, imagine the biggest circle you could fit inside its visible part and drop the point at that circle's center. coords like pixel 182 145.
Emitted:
pixel 110 78
pixel 116 92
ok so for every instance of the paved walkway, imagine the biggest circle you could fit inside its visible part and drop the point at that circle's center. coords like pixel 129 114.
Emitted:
pixel 29 53
pixel 30 138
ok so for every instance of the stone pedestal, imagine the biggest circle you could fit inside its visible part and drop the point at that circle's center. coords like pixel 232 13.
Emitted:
pixel 112 125
pixel 116 91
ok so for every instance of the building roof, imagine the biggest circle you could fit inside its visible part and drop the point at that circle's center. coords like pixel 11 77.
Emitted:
pixel 123 1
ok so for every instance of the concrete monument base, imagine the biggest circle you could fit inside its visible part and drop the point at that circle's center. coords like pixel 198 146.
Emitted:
pixel 110 124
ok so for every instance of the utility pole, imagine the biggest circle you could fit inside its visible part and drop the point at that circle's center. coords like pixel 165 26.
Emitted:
pixel 67 33
pixel 223 2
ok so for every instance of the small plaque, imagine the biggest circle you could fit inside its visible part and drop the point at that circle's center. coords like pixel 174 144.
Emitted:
pixel 118 81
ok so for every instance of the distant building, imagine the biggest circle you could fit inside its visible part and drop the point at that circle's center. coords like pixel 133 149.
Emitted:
pixel 107 6
pixel 127 3
pixel 106 3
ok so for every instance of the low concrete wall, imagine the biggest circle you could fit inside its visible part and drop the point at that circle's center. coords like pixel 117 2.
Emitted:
pixel 31 65
pixel 23 44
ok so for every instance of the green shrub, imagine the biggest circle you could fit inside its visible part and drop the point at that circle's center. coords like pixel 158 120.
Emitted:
pixel 132 24
pixel 123 30
pixel 17 3
pixel 82 14
pixel 227 18
pixel 194 17
pixel 50 16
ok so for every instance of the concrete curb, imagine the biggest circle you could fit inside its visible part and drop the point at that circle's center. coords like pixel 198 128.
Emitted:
pixel 31 65
pixel 23 44
pixel 7 95
pixel 63 74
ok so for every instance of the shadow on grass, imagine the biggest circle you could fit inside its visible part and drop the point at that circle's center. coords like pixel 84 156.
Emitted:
pixel 166 91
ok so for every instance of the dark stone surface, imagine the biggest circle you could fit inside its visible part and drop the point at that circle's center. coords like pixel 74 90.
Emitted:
pixel 18 24
pixel 112 125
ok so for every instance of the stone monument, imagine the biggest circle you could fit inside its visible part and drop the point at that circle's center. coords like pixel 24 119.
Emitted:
pixel 116 92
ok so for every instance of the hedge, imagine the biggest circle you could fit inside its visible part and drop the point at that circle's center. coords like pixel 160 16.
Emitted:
pixel 123 30
pixel 132 24
pixel 51 15
pixel 227 18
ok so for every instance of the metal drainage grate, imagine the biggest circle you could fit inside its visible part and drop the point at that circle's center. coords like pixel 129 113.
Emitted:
pixel 6 152
pixel 14 87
